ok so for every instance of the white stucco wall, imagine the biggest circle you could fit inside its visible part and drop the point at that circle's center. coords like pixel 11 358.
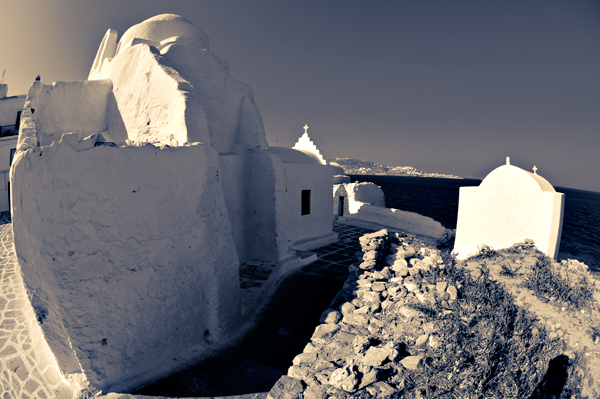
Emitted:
pixel 233 119
pixel 74 106
pixel 156 105
pixel 510 205
pixel 365 202
pixel 317 179
pixel 9 106
pixel 127 255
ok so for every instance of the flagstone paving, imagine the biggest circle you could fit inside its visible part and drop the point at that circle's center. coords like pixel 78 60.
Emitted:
pixel 28 368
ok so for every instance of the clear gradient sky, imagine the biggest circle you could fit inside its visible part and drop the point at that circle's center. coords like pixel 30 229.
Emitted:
pixel 447 86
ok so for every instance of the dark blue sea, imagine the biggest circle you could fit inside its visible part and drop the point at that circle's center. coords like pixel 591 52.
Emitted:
pixel 438 199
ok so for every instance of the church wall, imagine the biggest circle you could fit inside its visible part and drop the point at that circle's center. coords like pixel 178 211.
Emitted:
pixel 509 206
pixel 318 179
pixel 9 106
pixel 127 255
pixel 71 106
pixel 235 181
pixel 156 105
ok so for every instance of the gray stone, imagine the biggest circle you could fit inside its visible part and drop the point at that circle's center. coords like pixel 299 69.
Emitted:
pixel 368 378
pixel 345 337
pixel 452 291
pixel 422 339
pixel 360 344
pixel 411 362
pixel 355 319
pixel 345 378
pixel 315 392
pixel 376 356
pixel 381 390
pixel 347 308
pixel 324 332
pixel 330 316
pixel 378 287
pixel 286 388
pixel 441 287
pixel 305 358
pixel 368 264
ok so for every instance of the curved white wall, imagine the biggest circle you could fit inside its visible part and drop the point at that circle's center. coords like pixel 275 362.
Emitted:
pixel 127 254
pixel 509 205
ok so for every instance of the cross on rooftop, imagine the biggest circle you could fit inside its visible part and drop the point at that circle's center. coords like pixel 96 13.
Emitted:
pixel 305 129
pixel 535 170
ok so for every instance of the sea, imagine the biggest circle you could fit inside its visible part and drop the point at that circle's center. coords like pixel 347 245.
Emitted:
pixel 438 199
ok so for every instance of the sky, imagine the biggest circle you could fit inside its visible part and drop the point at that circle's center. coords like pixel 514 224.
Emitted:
pixel 444 86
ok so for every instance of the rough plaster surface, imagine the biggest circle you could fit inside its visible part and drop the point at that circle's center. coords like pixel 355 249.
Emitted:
pixel 509 206
pixel 365 202
pixel 74 106
pixel 232 116
pixel 9 106
pixel 317 179
pixel 131 267
pixel 155 104
pixel 131 252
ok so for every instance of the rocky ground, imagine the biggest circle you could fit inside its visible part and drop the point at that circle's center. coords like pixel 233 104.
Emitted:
pixel 411 322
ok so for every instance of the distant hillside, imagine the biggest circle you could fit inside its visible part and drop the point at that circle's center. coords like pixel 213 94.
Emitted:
pixel 357 167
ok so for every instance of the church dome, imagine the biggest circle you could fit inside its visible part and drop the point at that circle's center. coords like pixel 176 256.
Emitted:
pixel 162 27
pixel 291 155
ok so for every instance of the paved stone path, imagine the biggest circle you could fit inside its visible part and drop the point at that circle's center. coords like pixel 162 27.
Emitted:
pixel 254 365
pixel 28 368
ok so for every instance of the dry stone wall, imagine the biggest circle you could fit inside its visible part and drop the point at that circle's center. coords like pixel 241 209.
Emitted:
pixel 371 337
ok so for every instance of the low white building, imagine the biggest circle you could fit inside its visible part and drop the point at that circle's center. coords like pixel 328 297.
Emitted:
pixel 10 120
pixel 138 193
pixel 509 206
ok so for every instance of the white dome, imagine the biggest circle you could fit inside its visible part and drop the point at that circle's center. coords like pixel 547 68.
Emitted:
pixel 162 27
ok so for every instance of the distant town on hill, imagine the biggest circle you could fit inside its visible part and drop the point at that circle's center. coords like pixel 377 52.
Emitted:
pixel 358 167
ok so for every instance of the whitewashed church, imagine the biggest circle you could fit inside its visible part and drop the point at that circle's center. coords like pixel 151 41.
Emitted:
pixel 137 194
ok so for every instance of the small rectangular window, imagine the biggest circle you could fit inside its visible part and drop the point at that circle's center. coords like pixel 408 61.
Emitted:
pixel 12 154
pixel 18 122
pixel 305 210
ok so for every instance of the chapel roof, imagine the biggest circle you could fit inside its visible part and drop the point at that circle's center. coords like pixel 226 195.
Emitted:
pixel 162 27
pixel 291 155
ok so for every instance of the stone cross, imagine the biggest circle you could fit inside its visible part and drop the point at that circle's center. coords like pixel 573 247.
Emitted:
pixel 508 160
pixel 305 129
pixel 535 170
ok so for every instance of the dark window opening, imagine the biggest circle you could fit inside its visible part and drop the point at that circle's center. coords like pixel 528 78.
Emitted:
pixel 18 121
pixel 341 206
pixel 12 154
pixel 305 209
